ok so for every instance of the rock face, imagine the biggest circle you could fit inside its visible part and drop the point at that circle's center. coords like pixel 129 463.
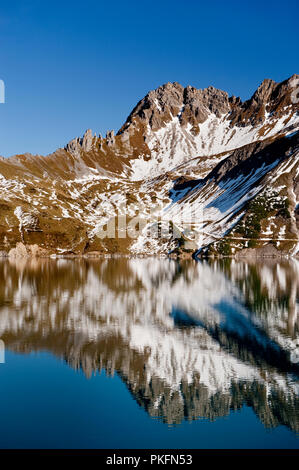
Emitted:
pixel 110 138
pixel 85 144
pixel 179 147
pixel 27 251
pixel 87 141
pixel 194 105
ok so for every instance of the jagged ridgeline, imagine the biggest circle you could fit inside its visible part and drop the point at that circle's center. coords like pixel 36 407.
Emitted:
pixel 233 164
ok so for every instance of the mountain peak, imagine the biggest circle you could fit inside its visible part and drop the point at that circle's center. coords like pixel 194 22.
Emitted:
pixel 180 112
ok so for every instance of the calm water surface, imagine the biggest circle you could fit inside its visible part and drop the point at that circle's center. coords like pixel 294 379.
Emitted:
pixel 149 353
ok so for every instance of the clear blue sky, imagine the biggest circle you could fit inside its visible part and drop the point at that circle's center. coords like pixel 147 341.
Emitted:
pixel 73 65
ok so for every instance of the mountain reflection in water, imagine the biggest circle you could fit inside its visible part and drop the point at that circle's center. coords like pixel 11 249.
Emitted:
pixel 188 339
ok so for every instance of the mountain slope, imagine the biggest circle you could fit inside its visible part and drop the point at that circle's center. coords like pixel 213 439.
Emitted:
pixel 181 149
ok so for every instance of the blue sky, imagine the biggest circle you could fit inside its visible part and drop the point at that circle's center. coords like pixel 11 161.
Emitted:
pixel 73 65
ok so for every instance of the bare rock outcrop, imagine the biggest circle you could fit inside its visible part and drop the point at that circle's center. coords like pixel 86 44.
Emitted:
pixel 85 144
pixel 87 141
pixel 110 138
pixel 27 251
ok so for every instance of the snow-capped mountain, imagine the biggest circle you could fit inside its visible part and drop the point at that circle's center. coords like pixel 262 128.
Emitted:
pixel 233 165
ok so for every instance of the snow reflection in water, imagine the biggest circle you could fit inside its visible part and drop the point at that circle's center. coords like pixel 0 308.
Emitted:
pixel 189 339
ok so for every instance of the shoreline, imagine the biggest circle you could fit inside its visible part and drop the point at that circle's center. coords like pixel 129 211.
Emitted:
pixel 238 257
pixel 22 251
